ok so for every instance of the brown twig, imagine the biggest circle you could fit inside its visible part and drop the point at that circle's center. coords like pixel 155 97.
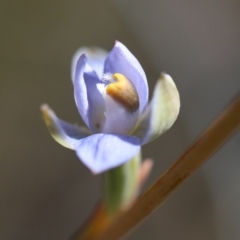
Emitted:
pixel 192 159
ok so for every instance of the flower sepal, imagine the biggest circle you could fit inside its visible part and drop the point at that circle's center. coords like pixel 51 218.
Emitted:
pixel 161 112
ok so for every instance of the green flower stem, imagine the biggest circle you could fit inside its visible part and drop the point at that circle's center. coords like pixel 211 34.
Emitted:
pixel 120 185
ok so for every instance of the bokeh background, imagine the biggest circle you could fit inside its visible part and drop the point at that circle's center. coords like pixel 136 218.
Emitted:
pixel 45 192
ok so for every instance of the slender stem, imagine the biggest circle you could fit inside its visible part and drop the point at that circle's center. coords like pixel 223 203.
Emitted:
pixel 120 185
pixel 191 160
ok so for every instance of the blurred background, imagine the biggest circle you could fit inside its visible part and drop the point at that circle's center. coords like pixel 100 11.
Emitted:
pixel 45 192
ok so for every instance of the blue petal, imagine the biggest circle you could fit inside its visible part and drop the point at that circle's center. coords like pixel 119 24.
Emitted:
pixel 89 101
pixel 96 101
pixel 118 118
pixel 121 60
pixel 101 152
pixel 80 89
pixel 96 57
pixel 64 133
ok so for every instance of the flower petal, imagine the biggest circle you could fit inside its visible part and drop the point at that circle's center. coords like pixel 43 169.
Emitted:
pixel 96 57
pixel 118 118
pixel 89 100
pixel 64 133
pixel 96 111
pixel 162 111
pixel 80 89
pixel 121 60
pixel 101 152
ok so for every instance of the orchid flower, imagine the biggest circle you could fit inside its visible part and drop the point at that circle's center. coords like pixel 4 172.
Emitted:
pixel 112 100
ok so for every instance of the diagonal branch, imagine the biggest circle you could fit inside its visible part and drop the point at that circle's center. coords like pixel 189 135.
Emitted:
pixel 192 159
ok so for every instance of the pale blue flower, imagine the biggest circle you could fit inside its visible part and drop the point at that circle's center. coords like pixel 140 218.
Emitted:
pixel 113 103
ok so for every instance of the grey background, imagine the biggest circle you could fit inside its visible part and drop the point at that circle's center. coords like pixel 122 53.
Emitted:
pixel 45 192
